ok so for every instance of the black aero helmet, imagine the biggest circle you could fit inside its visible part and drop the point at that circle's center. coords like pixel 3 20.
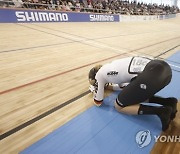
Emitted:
pixel 92 74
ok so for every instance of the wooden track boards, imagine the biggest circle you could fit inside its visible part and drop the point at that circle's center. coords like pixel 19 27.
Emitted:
pixel 45 65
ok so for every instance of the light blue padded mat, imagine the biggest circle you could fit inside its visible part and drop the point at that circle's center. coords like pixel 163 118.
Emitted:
pixel 102 130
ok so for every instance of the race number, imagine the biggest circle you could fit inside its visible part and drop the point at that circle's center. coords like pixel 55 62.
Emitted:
pixel 137 64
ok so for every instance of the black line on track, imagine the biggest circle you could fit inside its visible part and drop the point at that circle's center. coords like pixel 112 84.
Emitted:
pixel 45 114
pixel 62 32
pixel 45 32
pixel 120 35
pixel 158 56
pixel 41 46
pixel 73 41
pixel 86 39
pixel 167 51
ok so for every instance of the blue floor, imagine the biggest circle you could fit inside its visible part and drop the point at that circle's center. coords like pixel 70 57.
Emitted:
pixel 102 130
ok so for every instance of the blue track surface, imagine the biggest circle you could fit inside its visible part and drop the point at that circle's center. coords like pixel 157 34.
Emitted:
pixel 103 130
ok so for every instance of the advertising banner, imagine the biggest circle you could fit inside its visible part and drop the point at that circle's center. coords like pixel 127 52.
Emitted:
pixel 27 16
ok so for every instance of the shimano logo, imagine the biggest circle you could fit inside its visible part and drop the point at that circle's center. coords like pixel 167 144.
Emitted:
pixel 98 17
pixel 40 16
pixel 112 73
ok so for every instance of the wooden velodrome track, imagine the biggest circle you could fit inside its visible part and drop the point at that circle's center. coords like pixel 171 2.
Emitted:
pixel 43 66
